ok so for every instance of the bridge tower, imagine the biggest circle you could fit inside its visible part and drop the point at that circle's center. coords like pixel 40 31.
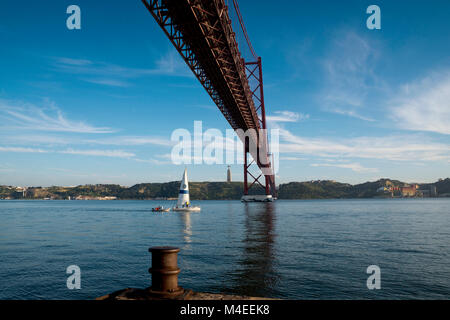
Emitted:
pixel 255 75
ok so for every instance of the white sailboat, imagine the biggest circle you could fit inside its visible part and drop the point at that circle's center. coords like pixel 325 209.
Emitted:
pixel 184 202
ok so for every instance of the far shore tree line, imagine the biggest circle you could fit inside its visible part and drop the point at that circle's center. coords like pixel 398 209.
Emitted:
pixel 219 191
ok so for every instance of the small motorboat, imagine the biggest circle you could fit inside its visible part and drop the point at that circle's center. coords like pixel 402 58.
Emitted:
pixel 161 209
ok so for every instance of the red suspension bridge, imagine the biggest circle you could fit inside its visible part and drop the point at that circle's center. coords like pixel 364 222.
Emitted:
pixel 202 32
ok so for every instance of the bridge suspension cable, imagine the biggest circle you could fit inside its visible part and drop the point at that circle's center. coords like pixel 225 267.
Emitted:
pixel 244 30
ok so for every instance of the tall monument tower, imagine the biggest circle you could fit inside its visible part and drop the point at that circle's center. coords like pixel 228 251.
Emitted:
pixel 229 174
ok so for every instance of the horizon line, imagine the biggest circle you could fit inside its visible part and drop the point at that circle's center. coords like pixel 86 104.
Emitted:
pixel 177 181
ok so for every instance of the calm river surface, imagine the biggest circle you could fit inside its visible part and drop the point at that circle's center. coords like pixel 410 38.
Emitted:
pixel 288 249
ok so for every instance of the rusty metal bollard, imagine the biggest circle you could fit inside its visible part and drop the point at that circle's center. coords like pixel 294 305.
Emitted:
pixel 165 271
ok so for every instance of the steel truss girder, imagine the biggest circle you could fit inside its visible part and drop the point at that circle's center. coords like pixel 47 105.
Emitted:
pixel 201 32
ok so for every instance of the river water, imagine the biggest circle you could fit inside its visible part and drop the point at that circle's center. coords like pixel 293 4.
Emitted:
pixel 288 249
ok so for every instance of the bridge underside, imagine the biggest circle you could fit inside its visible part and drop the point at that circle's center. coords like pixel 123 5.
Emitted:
pixel 201 32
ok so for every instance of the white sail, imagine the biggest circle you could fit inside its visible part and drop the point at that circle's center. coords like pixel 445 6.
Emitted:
pixel 183 197
pixel 184 202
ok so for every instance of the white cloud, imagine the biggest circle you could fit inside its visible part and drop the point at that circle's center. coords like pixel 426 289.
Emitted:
pixel 26 116
pixel 287 116
pixel 109 82
pixel 170 64
pixel 424 105
pixel 49 140
pixel 351 113
pixel 356 167
pixel 101 153
pixel 153 161
pixel 293 159
pixel 393 148
pixel 34 139
pixel 187 159
pixel 22 150
pixel 349 77
pixel 74 62
pixel 132 141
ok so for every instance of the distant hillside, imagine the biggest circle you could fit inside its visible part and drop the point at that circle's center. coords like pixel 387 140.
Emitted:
pixel 197 190
pixel 442 186
pixel 331 189
pixel 214 190
pixel 313 190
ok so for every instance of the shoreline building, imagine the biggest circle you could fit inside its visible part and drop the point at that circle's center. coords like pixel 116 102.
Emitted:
pixel 433 191
pixel 409 191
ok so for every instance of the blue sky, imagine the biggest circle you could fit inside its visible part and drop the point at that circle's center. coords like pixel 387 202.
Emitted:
pixel 99 105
